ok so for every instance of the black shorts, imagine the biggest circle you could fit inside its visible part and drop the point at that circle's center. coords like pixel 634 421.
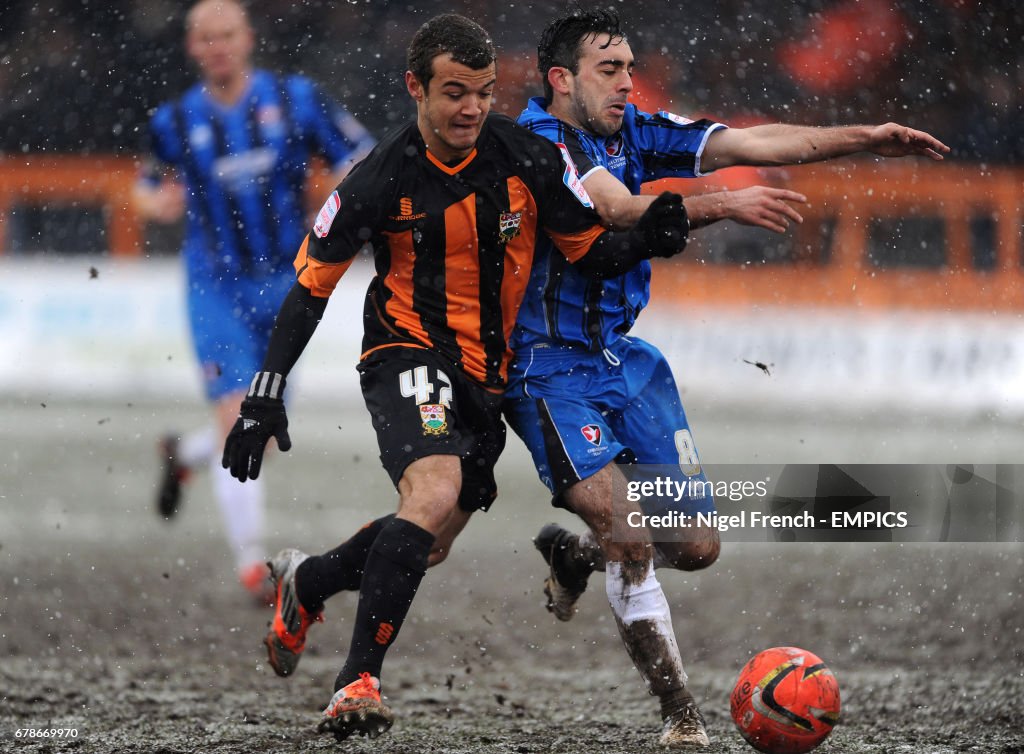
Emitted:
pixel 422 405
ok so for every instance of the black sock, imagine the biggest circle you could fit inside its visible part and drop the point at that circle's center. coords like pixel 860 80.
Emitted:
pixel 391 576
pixel 340 570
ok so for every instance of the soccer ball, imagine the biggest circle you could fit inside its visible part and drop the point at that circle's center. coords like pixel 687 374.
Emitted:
pixel 785 701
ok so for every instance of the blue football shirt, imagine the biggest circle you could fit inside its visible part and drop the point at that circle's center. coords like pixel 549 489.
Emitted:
pixel 563 306
pixel 244 169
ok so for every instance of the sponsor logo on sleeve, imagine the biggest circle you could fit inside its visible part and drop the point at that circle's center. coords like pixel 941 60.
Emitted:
pixel 571 178
pixel 592 433
pixel 325 217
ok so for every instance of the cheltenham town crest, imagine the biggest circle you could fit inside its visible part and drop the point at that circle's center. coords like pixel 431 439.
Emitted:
pixel 508 226
pixel 434 420
pixel 592 433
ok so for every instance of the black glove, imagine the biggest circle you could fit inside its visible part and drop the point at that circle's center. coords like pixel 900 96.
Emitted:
pixel 661 231
pixel 664 226
pixel 262 416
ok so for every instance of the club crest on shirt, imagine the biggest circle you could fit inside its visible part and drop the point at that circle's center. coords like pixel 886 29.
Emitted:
pixel 592 433
pixel 613 146
pixel 508 226
pixel 434 420
pixel 271 121
pixel 200 136
pixel 269 114
pixel 615 149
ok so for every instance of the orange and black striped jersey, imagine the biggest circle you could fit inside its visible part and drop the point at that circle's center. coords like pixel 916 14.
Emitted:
pixel 452 244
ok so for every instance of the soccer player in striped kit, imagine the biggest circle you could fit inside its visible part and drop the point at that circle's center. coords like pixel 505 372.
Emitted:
pixel 232 155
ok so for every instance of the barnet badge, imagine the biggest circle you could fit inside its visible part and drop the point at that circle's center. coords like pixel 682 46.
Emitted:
pixel 434 420
pixel 508 226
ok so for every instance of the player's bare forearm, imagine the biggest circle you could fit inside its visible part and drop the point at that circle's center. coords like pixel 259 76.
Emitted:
pixel 618 208
pixel 781 144
pixel 705 209
pixel 624 214
pixel 760 206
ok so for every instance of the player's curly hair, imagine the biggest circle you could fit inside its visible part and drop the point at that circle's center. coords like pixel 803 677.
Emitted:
pixel 561 40
pixel 449 33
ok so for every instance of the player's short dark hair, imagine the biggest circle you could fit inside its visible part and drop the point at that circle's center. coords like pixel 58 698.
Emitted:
pixel 561 40
pixel 466 41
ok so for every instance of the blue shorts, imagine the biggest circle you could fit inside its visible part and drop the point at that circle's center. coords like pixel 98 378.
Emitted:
pixel 579 410
pixel 231 324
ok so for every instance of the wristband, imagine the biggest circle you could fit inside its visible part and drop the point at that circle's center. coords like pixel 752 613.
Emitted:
pixel 266 385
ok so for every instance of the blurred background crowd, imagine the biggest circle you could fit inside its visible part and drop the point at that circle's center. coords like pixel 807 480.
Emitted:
pixel 82 76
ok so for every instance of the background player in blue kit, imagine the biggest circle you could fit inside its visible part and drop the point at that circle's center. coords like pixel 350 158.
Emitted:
pixel 583 394
pixel 232 155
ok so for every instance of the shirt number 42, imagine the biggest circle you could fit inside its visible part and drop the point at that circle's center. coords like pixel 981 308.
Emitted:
pixel 415 383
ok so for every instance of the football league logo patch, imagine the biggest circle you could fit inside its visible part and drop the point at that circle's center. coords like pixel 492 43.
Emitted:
pixel 508 226
pixel 571 178
pixel 434 420
pixel 325 217
pixel 677 119
pixel 592 433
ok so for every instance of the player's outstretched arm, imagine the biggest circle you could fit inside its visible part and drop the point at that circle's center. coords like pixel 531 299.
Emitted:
pixel 781 144
pixel 262 415
pixel 760 206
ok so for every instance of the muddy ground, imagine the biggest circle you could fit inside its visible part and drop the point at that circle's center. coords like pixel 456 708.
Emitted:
pixel 133 633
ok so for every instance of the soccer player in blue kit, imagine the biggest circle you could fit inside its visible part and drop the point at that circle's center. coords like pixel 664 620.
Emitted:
pixel 232 155
pixel 584 395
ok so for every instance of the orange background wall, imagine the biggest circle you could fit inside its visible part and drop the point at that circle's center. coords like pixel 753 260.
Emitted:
pixel 852 194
